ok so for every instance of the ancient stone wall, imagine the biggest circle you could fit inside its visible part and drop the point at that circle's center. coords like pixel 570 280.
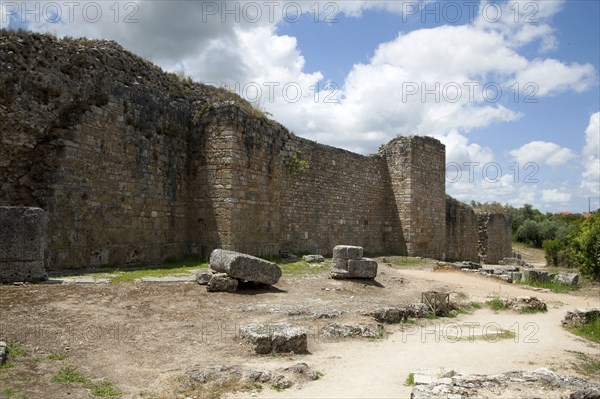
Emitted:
pixel 495 236
pixel 461 231
pixel 133 165
pixel 416 166
pixel 22 244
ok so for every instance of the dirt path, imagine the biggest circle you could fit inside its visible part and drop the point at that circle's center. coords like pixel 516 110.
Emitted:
pixel 144 337
pixel 361 369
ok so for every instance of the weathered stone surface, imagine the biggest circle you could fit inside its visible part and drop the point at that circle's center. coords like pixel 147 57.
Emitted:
pixel 361 330
pixel 3 352
pixel 394 314
pixel 244 267
pixel 221 282
pixel 347 252
pixel 527 304
pixel 281 378
pixel 363 268
pixel 278 337
pixel 338 274
pixel 578 317
pixel 22 244
pixel 535 275
pixel 288 257
pixel 461 231
pixel 313 258
pixel 541 383
pixel 203 276
pixel 567 278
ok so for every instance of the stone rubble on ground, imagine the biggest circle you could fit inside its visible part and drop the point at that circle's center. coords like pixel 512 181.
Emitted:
pixel 274 338
pixel 313 258
pixel 282 378
pixel 348 262
pixel 221 282
pixel 579 317
pixel 527 304
pixel 288 257
pixel 361 330
pixel 541 383
pixel 393 315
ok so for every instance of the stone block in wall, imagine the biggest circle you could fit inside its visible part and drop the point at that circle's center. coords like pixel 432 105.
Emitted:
pixel 347 252
pixel 22 244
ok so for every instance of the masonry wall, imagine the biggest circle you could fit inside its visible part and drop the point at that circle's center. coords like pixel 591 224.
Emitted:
pixel 461 231
pixel 495 236
pixel 133 165
pixel 417 175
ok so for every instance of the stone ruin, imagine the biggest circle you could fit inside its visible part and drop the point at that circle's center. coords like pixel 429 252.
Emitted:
pixel 348 262
pixel 22 244
pixel 135 166
pixel 229 268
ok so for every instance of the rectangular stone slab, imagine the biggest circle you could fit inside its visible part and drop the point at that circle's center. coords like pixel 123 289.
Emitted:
pixel 244 267
pixel 22 234
pixel 347 252
pixel 364 268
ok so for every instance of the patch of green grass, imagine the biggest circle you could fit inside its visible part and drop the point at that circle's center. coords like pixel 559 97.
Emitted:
pixel 475 305
pixel 552 286
pixel 587 365
pixel 448 374
pixel 410 380
pixel 57 356
pixel 106 389
pixel 498 335
pixel 590 330
pixel 183 267
pixel 70 375
pixel 497 304
pixel 408 261
pixel 303 268
pixel 12 393
pixel 15 350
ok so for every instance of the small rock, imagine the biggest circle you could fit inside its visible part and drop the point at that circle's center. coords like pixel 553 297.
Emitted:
pixel 203 276
pixel 221 282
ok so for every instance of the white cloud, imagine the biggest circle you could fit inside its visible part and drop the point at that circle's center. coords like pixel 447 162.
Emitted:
pixel 542 152
pixel 591 156
pixel 555 196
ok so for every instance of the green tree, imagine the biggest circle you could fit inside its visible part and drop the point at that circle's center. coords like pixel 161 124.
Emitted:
pixel 584 243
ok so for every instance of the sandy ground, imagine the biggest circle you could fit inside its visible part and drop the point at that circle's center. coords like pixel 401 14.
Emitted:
pixel 144 336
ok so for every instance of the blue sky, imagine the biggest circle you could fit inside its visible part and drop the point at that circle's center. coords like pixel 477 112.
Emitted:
pixel 372 55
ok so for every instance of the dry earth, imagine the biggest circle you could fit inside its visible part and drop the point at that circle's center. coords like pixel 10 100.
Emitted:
pixel 144 336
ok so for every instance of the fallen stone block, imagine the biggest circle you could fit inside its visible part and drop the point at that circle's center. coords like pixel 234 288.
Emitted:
pixel 203 276
pixel 279 338
pixel 363 268
pixel 313 258
pixel 221 282
pixel 245 267
pixel 535 275
pixel 3 352
pixel 566 278
pixel 347 252
pixel 579 317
